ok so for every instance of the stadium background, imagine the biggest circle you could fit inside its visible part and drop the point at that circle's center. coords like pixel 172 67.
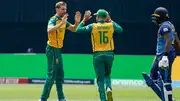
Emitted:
pixel 23 25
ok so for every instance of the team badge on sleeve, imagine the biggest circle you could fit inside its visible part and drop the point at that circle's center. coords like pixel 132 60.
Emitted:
pixel 165 29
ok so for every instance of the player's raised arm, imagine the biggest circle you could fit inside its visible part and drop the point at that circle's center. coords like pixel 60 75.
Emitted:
pixel 81 28
pixel 117 27
pixel 52 24
pixel 84 29
pixel 77 20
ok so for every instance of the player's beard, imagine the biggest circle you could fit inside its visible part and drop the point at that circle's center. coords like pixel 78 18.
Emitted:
pixel 62 14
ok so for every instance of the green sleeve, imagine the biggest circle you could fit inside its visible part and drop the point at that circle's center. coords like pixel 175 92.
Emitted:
pixel 52 22
pixel 67 24
pixel 84 29
pixel 117 27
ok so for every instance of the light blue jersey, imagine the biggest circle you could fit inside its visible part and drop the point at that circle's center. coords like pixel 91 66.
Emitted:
pixel 165 27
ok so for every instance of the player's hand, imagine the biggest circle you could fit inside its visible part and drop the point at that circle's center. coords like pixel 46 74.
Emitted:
pixel 108 19
pixel 164 62
pixel 87 16
pixel 64 19
pixel 78 17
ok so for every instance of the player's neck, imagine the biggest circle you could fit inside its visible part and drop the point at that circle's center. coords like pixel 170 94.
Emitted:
pixel 57 15
pixel 101 21
pixel 162 22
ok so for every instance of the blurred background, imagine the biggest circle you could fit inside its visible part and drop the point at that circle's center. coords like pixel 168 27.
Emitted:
pixel 23 24
pixel 23 28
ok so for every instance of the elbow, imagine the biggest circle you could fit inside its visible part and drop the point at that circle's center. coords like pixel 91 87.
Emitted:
pixel 121 30
pixel 168 43
pixel 49 31
pixel 74 30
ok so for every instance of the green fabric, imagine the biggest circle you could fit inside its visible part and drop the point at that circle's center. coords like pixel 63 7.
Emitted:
pixel 102 13
pixel 117 27
pixel 101 21
pixel 52 22
pixel 84 29
pixel 67 24
pixel 102 65
pixel 103 52
pixel 55 72
pixel 58 18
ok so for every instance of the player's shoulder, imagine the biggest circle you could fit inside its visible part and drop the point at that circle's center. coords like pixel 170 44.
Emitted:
pixel 54 18
pixel 109 23
pixel 166 24
pixel 94 24
pixel 102 24
pixel 171 25
pixel 165 27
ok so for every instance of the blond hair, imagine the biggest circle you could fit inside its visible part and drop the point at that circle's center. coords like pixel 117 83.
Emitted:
pixel 59 4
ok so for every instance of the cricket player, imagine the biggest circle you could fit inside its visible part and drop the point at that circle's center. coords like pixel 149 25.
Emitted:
pixel 57 26
pixel 160 73
pixel 103 47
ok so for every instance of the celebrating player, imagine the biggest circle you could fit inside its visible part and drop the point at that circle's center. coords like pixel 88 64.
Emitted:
pixel 57 26
pixel 103 46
